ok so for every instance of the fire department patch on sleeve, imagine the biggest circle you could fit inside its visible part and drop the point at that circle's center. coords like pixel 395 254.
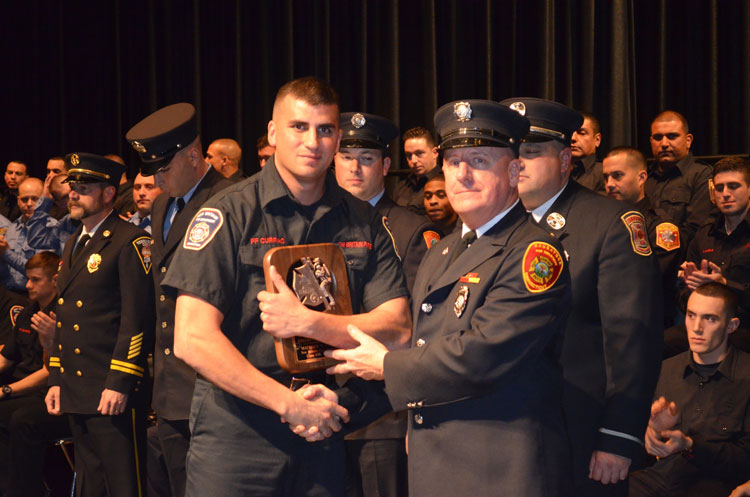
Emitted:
pixel 14 312
pixel 143 249
pixel 430 238
pixel 542 266
pixel 636 226
pixel 203 228
pixel 667 236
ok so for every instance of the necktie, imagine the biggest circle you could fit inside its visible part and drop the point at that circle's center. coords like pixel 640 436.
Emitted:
pixel 469 238
pixel 80 246
pixel 180 204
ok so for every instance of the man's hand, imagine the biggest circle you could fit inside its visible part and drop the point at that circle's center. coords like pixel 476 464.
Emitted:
pixel 707 273
pixel 44 325
pixel 664 415
pixel 607 468
pixel 365 360
pixel 52 400
pixel 283 315
pixel 741 491
pixel 317 415
pixel 112 402
pixel 3 246
pixel 47 181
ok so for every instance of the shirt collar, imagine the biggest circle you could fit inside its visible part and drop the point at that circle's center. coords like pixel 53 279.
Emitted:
pixel 272 187
pixel 374 200
pixel 489 224
pixel 725 368
pixel 539 211
pixel 190 192
pixel 93 230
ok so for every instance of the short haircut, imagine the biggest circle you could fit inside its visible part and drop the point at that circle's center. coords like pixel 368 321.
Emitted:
pixel 57 157
pixel 723 292
pixel 262 142
pixel 230 148
pixel 26 168
pixel 116 158
pixel 671 115
pixel 635 156
pixel 420 132
pixel 594 121
pixel 47 261
pixel 311 90
pixel 437 176
pixel 738 164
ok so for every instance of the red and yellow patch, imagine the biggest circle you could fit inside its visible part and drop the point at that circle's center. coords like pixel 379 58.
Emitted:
pixel 667 236
pixel 636 226
pixel 470 278
pixel 431 238
pixel 711 191
pixel 14 312
pixel 542 266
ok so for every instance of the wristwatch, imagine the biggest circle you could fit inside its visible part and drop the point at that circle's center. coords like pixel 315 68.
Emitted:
pixel 7 391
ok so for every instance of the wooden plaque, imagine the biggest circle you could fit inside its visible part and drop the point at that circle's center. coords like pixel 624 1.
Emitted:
pixel 317 274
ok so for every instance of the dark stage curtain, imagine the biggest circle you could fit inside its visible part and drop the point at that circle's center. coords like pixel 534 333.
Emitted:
pixel 78 74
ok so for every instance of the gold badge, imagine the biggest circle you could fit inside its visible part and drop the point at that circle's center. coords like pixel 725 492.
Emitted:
pixel 106 234
pixel 75 160
pixel 461 299
pixel 519 107
pixel 358 120
pixel 138 146
pixel 556 221
pixel 94 262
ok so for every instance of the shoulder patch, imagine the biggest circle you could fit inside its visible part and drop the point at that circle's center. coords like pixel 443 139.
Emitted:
pixel 636 225
pixel 14 312
pixel 203 228
pixel 143 249
pixel 542 266
pixel 711 190
pixel 431 238
pixel 390 233
pixel 667 236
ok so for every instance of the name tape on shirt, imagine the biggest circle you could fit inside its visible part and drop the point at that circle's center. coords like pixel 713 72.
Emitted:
pixel 636 226
pixel 542 266
pixel 203 228
pixel 667 236
pixel 143 249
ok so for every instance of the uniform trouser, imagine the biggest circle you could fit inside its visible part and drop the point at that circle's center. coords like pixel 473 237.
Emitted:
pixel 26 430
pixel 174 438
pixel 157 480
pixel 110 454
pixel 376 468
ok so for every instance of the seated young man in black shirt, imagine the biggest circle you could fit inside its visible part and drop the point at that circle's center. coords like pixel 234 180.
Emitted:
pixel 699 428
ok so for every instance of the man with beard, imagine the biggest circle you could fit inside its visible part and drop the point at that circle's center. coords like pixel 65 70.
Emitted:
pixel 104 331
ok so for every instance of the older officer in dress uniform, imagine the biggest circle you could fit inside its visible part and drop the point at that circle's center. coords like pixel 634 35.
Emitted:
pixel 170 149
pixel 482 380
pixel 104 328
pixel 612 347
pixel 376 454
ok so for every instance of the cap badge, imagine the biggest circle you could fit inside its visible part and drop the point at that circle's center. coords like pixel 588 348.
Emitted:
pixel 556 221
pixel 75 160
pixel 358 120
pixel 93 263
pixel 461 299
pixel 138 146
pixel 519 107
pixel 462 111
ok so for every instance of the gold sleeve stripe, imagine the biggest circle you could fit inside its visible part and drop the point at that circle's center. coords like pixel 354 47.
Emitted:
pixel 127 365
pixel 134 341
pixel 139 336
pixel 133 355
pixel 135 346
pixel 127 370
pixel 135 351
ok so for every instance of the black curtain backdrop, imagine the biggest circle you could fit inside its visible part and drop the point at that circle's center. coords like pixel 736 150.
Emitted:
pixel 78 74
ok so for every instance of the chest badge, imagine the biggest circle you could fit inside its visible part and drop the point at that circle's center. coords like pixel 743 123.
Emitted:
pixel 556 221
pixel 461 299
pixel 93 264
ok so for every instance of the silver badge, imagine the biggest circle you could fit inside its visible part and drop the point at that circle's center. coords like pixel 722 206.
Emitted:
pixel 519 107
pixel 461 299
pixel 358 120
pixel 138 146
pixel 445 250
pixel 462 111
pixel 556 221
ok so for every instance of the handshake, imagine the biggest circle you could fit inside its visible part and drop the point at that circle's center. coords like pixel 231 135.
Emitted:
pixel 314 413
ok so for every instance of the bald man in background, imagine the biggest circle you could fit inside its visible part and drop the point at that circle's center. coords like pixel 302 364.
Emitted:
pixel 224 155
pixel 677 182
